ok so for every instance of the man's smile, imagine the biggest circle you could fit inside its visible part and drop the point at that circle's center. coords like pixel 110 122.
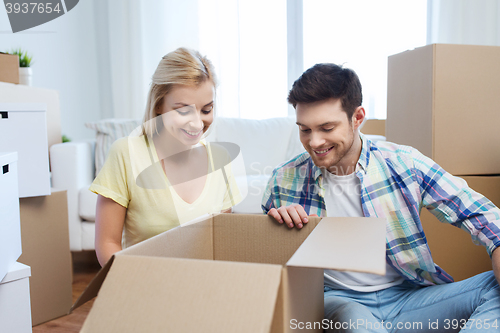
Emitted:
pixel 322 152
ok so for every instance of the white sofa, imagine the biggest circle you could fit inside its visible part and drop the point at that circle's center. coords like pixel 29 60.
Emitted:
pixel 264 144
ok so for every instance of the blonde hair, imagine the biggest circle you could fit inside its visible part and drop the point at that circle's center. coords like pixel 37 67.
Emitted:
pixel 180 67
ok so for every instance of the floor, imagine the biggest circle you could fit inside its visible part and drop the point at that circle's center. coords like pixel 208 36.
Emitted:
pixel 85 267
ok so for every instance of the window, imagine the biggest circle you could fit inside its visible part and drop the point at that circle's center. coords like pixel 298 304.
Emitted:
pixel 361 34
pixel 259 47
pixel 246 41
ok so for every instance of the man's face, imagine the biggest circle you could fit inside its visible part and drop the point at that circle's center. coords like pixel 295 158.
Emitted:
pixel 327 135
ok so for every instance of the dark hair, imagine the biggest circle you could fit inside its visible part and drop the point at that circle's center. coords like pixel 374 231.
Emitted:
pixel 324 81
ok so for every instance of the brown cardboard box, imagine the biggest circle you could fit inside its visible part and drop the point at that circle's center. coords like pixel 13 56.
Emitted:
pixel 10 93
pixel 9 68
pixel 443 100
pixel 45 242
pixel 230 273
pixel 373 127
pixel 452 248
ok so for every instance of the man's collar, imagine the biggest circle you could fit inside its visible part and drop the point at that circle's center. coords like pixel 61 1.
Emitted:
pixel 364 157
pixel 316 171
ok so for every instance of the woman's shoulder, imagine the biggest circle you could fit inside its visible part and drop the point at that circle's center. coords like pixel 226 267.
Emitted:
pixel 117 151
pixel 120 144
pixel 128 151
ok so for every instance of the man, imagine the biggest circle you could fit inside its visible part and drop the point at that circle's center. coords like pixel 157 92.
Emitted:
pixel 344 174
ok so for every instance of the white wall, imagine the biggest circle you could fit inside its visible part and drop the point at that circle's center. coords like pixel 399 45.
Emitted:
pixel 65 59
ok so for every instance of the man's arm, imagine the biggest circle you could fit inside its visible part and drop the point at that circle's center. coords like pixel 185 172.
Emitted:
pixel 452 201
pixel 495 261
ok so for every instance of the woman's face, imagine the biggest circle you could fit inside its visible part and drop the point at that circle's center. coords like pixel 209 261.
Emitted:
pixel 187 112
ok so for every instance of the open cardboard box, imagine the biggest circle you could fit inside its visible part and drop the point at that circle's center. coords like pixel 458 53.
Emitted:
pixel 230 273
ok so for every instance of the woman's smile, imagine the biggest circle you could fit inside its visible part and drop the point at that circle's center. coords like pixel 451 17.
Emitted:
pixel 192 135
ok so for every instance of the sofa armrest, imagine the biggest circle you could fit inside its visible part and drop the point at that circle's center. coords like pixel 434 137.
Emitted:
pixel 255 186
pixel 72 164
pixel 72 167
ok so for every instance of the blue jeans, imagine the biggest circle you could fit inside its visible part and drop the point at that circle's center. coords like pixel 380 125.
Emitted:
pixel 471 305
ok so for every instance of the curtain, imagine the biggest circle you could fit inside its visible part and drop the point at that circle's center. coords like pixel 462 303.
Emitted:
pixel 119 29
pixel 245 40
pixel 132 36
pixel 464 22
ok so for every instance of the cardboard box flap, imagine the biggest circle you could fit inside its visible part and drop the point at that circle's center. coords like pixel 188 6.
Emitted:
pixel 193 241
pixel 257 238
pixel 93 288
pixel 354 244
pixel 150 294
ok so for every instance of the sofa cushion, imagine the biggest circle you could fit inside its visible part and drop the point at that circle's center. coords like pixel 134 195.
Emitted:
pixel 263 143
pixel 295 147
pixel 87 202
pixel 107 132
pixel 88 236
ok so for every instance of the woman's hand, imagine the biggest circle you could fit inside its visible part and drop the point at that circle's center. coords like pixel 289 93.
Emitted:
pixel 109 221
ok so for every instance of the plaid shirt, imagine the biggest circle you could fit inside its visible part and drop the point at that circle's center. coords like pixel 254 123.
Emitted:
pixel 396 182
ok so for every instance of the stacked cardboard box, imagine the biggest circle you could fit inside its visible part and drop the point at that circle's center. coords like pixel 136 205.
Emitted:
pixel 373 127
pixel 45 237
pixel 9 68
pixel 14 93
pixel 443 100
pixel 10 228
pixel 43 212
pixel 15 314
pixel 24 130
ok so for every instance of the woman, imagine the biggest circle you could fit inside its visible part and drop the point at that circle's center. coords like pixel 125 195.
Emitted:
pixel 164 176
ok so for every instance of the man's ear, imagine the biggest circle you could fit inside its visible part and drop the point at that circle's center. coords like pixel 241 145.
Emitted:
pixel 358 116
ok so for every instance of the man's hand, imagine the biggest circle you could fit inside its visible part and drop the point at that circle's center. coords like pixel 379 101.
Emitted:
pixel 293 215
